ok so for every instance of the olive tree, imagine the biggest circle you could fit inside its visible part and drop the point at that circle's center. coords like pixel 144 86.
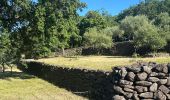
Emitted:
pixel 97 39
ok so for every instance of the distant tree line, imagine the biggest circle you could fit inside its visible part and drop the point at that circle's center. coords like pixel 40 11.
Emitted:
pixel 36 29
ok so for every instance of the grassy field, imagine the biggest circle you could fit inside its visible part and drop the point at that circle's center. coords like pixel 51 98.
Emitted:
pixel 99 62
pixel 22 86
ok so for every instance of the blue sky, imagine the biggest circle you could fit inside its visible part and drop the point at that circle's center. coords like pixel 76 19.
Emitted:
pixel 112 6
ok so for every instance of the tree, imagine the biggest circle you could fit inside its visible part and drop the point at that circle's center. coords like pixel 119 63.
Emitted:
pixel 97 39
pixel 163 22
pixel 115 32
pixel 7 53
pixel 92 19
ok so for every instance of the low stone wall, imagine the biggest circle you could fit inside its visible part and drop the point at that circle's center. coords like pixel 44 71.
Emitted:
pixel 144 81
pixel 93 84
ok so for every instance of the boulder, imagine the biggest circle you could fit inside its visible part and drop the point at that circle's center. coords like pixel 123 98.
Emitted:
pixel 168 81
pixel 146 95
pixel 131 76
pixel 123 72
pixel 153 79
pixel 128 86
pixel 143 83
pixel 134 69
pixel 118 90
pixel 125 82
pixel 161 68
pixel 128 95
pixel 153 87
pixel 141 89
pixel 118 97
pixel 159 75
pixel 128 90
pixel 135 96
pixel 162 81
pixel 146 69
pixel 142 76
pixel 159 96
pixel 164 89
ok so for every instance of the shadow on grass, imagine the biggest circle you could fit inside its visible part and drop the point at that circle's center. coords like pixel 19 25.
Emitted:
pixel 94 85
pixel 17 75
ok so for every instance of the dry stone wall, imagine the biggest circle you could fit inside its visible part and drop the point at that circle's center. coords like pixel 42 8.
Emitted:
pixel 143 81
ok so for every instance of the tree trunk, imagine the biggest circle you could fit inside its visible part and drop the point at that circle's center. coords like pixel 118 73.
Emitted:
pixel 63 51
pixel 11 70
pixel 3 67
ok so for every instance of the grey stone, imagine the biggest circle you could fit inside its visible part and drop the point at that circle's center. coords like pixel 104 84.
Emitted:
pixel 168 96
pixel 168 81
pixel 164 89
pixel 128 90
pixel 159 75
pixel 162 81
pixel 118 97
pixel 125 82
pixel 153 87
pixel 146 95
pixel 128 95
pixel 141 89
pixel 128 86
pixel 118 90
pixel 143 83
pixel 131 76
pixel 134 69
pixel 161 68
pixel 159 96
pixel 142 76
pixel 123 72
pixel 135 96
pixel 153 79
pixel 146 69
pixel 168 65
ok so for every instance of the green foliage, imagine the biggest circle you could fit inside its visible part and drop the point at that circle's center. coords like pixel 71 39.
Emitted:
pixel 150 8
pixel 97 39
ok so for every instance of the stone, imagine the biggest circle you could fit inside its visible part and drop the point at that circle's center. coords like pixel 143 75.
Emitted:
pixel 118 90
pixel 168 65
pixel 131 76
pixel 142 76
pixel 141 89
pixel 162 81
pixel 123 72
pixel 153 79
pixel 134 69
pixel 125 82
pixel 146 69
pixel 159 96
pixel 146 95
pixel 118 97
pixel 168 81
pixel 153 87
pixel 159 75
pixel 128 95
pixel 135 96
pixel 128 86
pixel 168 96
pixel 143 83
pixel 164 89
pixel 128 90
pixel 161 68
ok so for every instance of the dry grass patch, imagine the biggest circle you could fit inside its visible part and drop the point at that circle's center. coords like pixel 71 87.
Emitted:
pixel 99 62
pixel 22 86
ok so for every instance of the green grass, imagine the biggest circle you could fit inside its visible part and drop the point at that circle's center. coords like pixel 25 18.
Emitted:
pixel 21 86
pixel 99 62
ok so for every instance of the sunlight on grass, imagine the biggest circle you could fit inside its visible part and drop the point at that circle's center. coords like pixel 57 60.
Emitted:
pixel 26 87
pixel 99 62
